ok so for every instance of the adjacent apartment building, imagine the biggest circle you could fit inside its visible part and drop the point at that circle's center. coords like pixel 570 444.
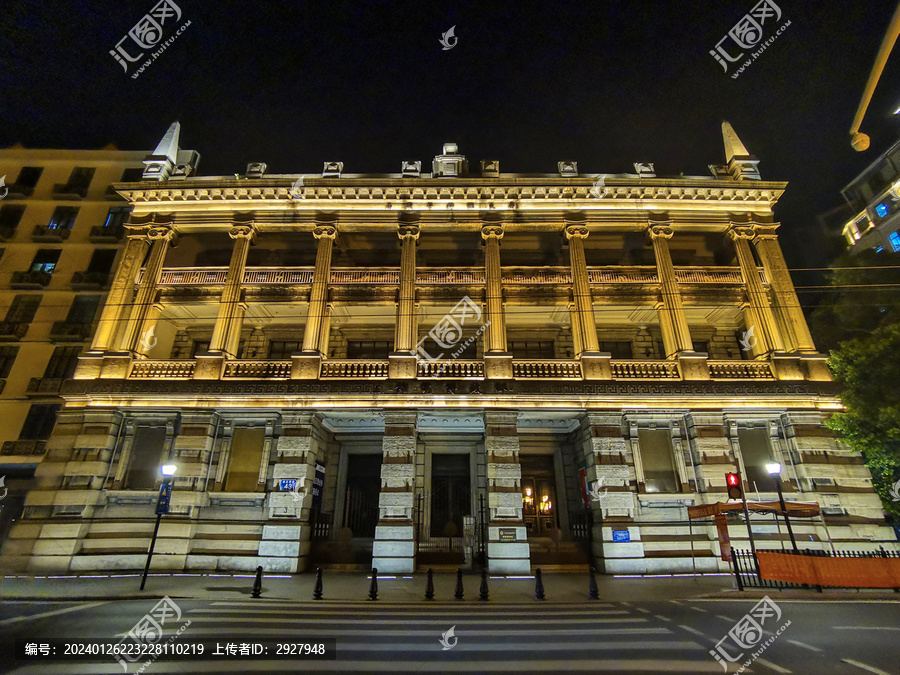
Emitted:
pixel 874 201
pixel 432 368
pixel 61 227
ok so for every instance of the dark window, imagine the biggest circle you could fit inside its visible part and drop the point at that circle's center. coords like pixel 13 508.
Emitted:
pixel 102 260
pixel 117 216
pixel 435 351
pixel 10 216
pixel 200 347
pixel 83 309
pixel 29 176
pixel 146 457
pixel 23 308
pixel 62 362
pixel 63 218
pixel 80 179
pixel 39 422
pixel 45 260
pixel 368 349
pixel 132 175
pixel 7 358
pixel 619 349
pixel 701 347
pixel 450 494
pixel 532 349
pixel 282 349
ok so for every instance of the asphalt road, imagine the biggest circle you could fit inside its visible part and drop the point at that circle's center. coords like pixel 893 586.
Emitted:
pixel 665 636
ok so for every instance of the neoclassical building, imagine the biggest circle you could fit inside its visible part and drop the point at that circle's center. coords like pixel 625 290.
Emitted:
pixel 429 369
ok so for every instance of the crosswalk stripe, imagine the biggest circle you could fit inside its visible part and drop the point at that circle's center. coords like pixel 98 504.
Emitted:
pixel 481 633
pixel 376 621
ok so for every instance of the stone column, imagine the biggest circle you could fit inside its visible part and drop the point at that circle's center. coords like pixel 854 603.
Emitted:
pixel 765 329
pixel 394 546
pixel 595 365
pixel 672 321
pixel 403 360
pixel 608 463
pixel 119 293
pixel 508 549
pixel 497 361
pixel 306 365
pixel 325 332
pixel 160 237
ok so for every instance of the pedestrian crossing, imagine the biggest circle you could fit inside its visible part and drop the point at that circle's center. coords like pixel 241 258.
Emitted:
pixel 380 637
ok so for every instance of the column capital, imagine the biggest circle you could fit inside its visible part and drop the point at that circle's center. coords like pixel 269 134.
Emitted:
pixel 660 230
pixel 325 231
pixel 243 232
pixel 408 231
pixel 158 233
pixel 488 231
pixel 741 232
pixel 579 231
pixel 766 231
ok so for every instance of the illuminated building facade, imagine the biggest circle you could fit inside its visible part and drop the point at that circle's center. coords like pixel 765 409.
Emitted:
pixel 874 198
pixel 418 369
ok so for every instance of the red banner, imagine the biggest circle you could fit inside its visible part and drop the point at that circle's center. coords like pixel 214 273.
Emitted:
pixel 724 539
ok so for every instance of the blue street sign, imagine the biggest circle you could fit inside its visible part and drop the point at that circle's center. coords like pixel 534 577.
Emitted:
pixel 621 536
pixel 165 496
pixel 287 484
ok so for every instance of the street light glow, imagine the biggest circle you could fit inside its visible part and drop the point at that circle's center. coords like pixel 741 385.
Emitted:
pixel 773 468
pixel 168 469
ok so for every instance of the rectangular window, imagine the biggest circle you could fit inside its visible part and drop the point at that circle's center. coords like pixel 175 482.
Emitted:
pixel 701 347
pixel 80 179
pixel 368 349
pixel 245 460
pixel 10 216
pixel 619 349
pixel 83 309
pixel 63 218
pixel 199 347
pixel 756 453
pixel 894 238
pixel 117 216
pixel 39 422
pixel 29 176
pixel 102 261
pixel 45 260
pixel 282 349
pixel 658 458
pixel 62 362
pixel 532 349
pixel 146 458
pixel 132 175
pixel 7 358
pixel 23 309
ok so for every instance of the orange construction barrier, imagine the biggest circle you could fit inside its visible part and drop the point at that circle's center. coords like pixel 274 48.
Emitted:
pixel 826 571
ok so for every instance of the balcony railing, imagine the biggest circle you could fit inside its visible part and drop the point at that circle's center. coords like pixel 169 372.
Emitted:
pixel 30 279
pixel 295 276
pixel 352 369
pixel 87 281
pixel 622 275
pixel 166 370
pixel 10 330
pixel 192 276
pixel 644 370
pixel 456 368
pixel 67 330
pixel 365 276
pixel 276 370
pixel 29 448
pixel 450 275
pixel 708 275
pixel 106 235
pixel 45 233
pixel 70 190
pixel 547 369
pixel 537 275
pixel 44 385
pixel 740 370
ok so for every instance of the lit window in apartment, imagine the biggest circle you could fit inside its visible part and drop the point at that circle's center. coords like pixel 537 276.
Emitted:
pixel 117 216
pixel 658 460
pixel 881 210
pixel 45 260
pixel 894 238
pixel 245 460
pixel 63 218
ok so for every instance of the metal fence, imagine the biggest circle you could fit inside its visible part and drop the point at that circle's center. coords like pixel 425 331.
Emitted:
pixel 746 567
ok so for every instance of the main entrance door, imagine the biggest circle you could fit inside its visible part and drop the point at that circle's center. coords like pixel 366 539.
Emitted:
pixel 539 495
pixel 363 489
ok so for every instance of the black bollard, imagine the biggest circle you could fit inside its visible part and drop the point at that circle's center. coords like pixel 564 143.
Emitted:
pixel 429 585
pixel 459 586
pixel 593 591
pixel 483 592
pixel 538 585
pixel 317 591
pixel 373 589
pixel 257 585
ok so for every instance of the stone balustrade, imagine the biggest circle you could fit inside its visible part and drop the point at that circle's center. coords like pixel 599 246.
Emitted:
pixel 458 368
pixel 644 370
pixel 353 369
pixel 251 370
pixel 164 370
pixel 740 370
pixel 547 369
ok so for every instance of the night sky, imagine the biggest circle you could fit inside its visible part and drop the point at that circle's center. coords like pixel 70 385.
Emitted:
pixel 606 83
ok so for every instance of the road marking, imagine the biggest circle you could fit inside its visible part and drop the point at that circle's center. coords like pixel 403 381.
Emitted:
pixel 697 609
pixel 660 616
pixel 55 612
pixel 726 618
pixel 871 669
pixel 776 667
pixel 294 619
pixel 804 645
pixel 345 633
pixel 641 609
pixel 865 628
pixel 674 602
pixel 692 630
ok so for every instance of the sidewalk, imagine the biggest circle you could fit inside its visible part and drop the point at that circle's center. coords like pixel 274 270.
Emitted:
pixel 338 586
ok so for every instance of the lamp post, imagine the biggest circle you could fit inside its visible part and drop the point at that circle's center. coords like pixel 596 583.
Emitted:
pixel 162 506
pixel 775 470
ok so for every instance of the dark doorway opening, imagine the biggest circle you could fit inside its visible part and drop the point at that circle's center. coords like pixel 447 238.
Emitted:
pixel 363 488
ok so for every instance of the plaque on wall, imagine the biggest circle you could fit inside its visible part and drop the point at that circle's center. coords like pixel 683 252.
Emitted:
pixel 621 536
pixel 507 534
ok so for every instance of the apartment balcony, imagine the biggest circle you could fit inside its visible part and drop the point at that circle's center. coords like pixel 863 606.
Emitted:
pixel 17 191
pixel 89 281
pixel 30 280
pixel 67 331
pixel 7 233
pixel 106 235
pixel 44 385
pixel 69 191
pixel 45 234
pixel 12 331
pixel 23 448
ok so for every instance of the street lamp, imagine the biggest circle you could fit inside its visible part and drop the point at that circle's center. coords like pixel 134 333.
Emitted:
pixel 162 506
pixel 774 469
